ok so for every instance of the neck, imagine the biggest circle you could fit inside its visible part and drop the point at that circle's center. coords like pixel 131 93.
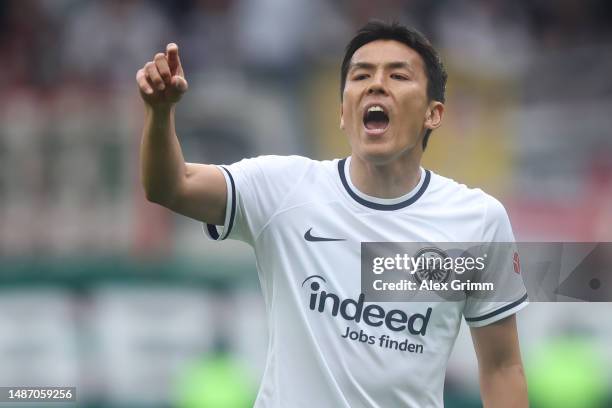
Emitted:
pixel 389 180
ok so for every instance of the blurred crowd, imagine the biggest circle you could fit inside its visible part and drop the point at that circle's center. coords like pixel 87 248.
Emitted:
pixel 98 44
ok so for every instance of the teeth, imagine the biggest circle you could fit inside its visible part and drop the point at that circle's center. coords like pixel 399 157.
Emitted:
pixel 375 108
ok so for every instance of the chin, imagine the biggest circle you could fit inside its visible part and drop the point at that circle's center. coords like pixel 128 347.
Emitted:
pixel 377 154
pixel 383 153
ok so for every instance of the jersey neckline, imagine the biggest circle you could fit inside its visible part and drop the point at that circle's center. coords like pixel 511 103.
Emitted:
pixel 382 204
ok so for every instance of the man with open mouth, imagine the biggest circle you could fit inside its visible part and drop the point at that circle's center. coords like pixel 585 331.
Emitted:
pixel 306 221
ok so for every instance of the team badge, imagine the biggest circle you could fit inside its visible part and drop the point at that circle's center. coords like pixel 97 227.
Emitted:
pixel 431 266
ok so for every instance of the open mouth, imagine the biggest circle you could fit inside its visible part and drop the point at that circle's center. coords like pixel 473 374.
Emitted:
pixel 375 118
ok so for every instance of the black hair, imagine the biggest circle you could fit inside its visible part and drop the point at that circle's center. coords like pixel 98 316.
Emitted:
pixel 378 30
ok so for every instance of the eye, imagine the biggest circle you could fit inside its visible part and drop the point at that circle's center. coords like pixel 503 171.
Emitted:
pixel 359 77
pixel 399 77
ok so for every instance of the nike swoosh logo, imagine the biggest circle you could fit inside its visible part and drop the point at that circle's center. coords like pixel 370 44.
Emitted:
pixel 309 237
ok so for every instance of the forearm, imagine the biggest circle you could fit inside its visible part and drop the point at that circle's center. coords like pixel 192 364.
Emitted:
pixel 161 158
pixel 195 190
pixel 504 387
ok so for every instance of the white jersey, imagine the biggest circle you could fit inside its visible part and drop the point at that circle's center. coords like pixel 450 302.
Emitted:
pixel 306 222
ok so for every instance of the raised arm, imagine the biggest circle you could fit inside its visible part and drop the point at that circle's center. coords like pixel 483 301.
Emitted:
pixel 502 379
pixel 195 190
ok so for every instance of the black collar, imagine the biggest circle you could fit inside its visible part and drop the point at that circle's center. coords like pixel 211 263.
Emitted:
pixel 379 206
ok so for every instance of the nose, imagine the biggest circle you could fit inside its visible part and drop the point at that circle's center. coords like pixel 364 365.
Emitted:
pixel 377 85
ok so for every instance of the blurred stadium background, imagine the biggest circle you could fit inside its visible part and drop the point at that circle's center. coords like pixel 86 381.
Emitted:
pixel 105 291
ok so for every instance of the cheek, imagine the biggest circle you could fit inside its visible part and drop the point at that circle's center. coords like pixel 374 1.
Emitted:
pixel 415 109
pixel 349 105
pixel 350 116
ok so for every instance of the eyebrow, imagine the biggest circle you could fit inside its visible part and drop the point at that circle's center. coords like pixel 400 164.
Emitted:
pixel 391 65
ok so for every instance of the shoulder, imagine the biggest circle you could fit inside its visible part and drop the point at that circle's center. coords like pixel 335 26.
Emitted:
pixel 268 167
pixel 452 191
pixel 273 162
pixel 457 196
pixel 283 166
pixel 279 172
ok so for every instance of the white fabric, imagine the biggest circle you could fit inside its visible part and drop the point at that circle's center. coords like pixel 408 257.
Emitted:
pixel 310 363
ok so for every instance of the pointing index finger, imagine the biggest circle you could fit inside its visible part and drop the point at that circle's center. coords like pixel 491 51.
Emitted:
pixel 174 61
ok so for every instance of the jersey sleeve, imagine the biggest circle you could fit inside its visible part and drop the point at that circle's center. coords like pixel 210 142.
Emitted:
pixel 502 270
pixel 256 189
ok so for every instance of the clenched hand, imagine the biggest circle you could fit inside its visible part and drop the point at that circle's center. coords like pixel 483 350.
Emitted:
pixel 162 81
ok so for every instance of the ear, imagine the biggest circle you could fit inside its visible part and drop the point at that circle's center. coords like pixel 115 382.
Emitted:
pixel 341 117
pixel 434 114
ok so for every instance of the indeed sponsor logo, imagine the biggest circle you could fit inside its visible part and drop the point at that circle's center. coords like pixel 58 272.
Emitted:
pixel 372 314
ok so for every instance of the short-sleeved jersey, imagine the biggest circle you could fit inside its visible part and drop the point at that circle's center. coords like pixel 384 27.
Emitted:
pixel 327 347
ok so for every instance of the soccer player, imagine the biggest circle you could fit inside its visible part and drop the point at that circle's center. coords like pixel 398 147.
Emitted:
pixel 306 220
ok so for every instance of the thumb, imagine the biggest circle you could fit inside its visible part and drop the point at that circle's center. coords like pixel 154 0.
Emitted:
pixel 179 83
